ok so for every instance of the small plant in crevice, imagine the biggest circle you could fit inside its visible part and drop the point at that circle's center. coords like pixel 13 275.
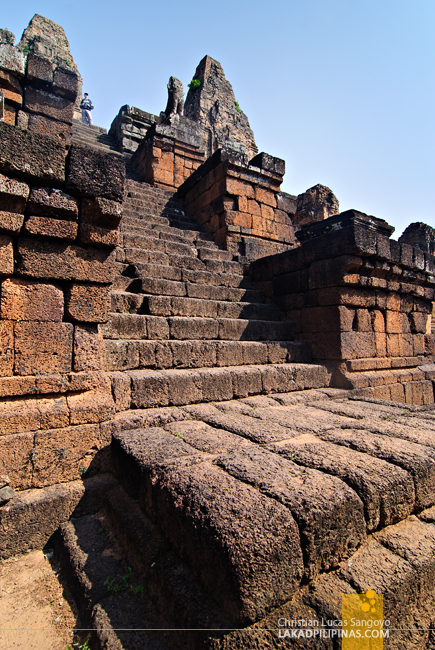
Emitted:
pixel 194 84
pixel 179 435
pixel 236 104
pixel 114 587
pixel 79 646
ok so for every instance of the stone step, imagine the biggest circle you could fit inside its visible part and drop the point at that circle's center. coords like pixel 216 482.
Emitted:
pixel 175 590
pixel 80 128
pixel 133 255
pixel 139 389
pixel 97 145
pixel 161 287
pixel 128 583
pixel 133 217
pixel 141 223
pixel 146 256
pixel 147 202
pixel 139 190
pixel 151 204
pixel 89 142
pixel 157 244
pixel 97 572
pixel 139 354
pixel 149 194
pixel 206 253
pixel 219 266
pixel 388 561
pixel 180 273
pixel 189 237
pixel 153 216
pixel 90 136
pixel 138 303
pixel 140 326
pixel 185 221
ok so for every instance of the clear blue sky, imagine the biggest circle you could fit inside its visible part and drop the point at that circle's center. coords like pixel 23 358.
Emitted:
pixel 343 90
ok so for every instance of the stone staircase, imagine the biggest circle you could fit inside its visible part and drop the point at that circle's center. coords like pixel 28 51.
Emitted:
pixel 129 584
pixel 93 136
pixel 96 137
pixel 188 323
pixel 247 491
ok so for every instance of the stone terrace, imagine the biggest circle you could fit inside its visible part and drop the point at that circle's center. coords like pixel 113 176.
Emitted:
pixel 247 511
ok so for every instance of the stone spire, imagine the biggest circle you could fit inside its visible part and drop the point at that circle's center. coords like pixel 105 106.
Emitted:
pixel 212 104
pixel 45 39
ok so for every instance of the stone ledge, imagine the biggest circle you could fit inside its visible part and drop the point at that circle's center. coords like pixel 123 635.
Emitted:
pixel 32 516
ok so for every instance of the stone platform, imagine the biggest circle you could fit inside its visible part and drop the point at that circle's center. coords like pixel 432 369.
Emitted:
pixel 232 515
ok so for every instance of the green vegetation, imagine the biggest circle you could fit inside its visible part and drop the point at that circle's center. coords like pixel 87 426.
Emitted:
pixel 79 646
pixel 114 588
pixel 194 84
pixel 238 109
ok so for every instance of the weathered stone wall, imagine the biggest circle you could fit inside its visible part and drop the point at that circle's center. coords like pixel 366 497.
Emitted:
pixel 59 215
pixel 362 300
pixel 39 79
pixel 58 224
pixel 240 204
pixel 169 154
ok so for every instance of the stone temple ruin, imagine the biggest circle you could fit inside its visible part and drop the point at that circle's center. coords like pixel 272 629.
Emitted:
pixel 231 384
